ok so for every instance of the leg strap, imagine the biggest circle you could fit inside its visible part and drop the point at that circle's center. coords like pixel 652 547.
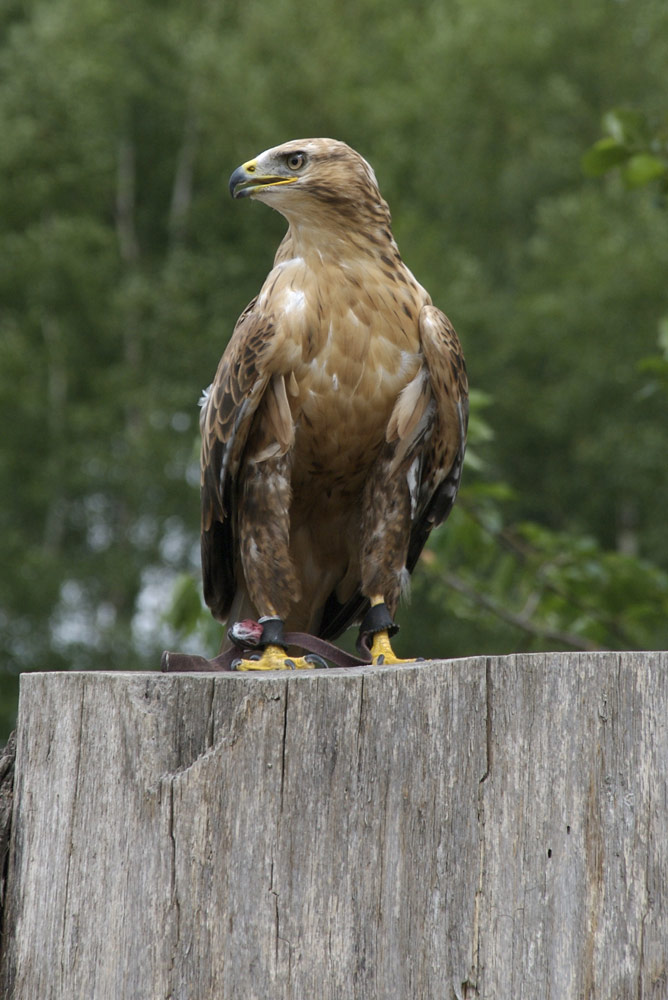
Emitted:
pixel 250 636
pixel 377 619
pixel 272 633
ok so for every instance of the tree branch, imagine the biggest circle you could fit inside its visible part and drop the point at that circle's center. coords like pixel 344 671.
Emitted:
pixel 523 551
pixel 125 202
pixel 520 621
pixel 179 210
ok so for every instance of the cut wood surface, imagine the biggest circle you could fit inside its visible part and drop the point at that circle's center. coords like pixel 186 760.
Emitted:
pixel 487 827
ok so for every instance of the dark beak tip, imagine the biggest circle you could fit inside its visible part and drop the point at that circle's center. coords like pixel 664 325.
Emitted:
pixel 236 178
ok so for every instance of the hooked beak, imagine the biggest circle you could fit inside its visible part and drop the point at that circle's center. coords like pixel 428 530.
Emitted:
pixel 247 179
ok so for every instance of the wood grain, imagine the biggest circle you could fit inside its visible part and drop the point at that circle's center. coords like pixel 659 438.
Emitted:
pixel 489 827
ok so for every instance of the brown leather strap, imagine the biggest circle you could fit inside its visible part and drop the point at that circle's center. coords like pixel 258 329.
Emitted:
pixel 179 663
pixel 191 663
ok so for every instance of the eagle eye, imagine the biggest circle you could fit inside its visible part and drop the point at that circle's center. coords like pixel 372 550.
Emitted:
pixel 295 160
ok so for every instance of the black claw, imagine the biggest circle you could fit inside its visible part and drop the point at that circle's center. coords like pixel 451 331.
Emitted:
pixel 317 661
pixel 255 657
pixel 235 664
pixel 381 659
pixel 290 664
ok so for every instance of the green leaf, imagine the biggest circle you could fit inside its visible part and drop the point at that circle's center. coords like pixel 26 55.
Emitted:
pixel 643 168
pixel 480 491
pixel 627 127
pixel 603 155
pixel 479 399
pixel 662 339
pixel 185 609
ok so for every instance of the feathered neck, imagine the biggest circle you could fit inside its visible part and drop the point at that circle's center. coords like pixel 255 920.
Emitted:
pixel 335 230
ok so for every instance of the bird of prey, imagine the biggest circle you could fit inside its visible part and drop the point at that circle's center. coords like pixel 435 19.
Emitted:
pixel 334 431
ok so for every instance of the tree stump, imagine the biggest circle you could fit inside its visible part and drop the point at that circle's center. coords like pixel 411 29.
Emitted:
pixel 487 827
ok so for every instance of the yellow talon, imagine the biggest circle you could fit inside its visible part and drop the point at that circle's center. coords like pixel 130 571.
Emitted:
pixel 275 658
pixel 382 652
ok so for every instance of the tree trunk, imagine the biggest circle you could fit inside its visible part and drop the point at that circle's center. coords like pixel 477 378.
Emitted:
pixel 489 827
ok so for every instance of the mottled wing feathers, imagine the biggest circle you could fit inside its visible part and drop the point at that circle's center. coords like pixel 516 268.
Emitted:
pixel 443 453
pixel 411 417
pixel 428 431
pixel 225 421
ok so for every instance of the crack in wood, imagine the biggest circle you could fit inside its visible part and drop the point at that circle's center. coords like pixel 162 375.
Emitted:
pixel 489 719
pixel 7 764
pixel 70 836
pixel 283 743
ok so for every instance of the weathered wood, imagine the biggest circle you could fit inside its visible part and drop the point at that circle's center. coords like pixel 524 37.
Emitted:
pixel 7 759
pixel 492 828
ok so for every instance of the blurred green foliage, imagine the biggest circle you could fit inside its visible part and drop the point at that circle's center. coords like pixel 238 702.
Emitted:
pixel 123 266
pixel 639 150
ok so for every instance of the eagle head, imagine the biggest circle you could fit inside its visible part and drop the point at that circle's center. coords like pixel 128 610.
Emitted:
pixel 304 175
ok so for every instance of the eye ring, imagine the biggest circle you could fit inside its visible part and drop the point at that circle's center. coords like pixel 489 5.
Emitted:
pixel 295 161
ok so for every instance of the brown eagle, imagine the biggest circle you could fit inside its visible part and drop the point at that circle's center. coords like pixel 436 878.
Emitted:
pixel 334 431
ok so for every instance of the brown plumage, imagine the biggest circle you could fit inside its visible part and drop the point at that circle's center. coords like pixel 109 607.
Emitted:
pixel 333 433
